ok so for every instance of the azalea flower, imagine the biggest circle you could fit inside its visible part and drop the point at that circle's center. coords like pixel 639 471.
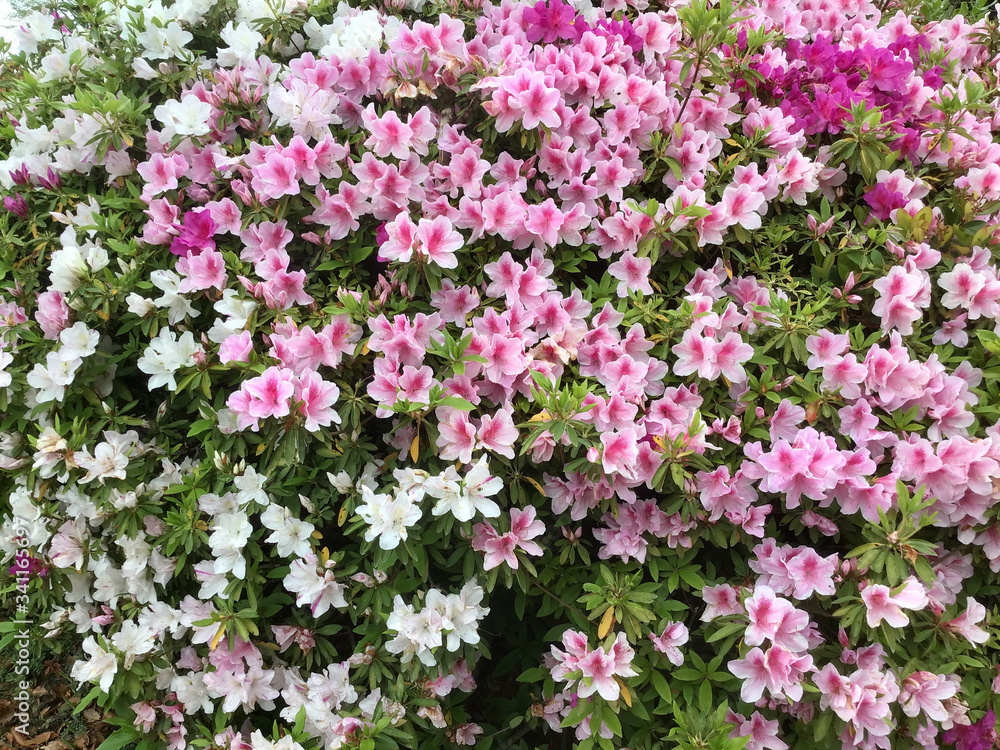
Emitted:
pixel 388 518
pixel 315 585
pixel 967 623
pixel 674 634
pixel 100 668
pixel 463 498
pixel 290 535
pixel 888 604
pixel 778 671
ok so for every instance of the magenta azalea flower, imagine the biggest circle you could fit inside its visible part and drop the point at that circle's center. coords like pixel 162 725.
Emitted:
pixel 550 22
pixel 884 201
pixel 196 233
pixel 979 736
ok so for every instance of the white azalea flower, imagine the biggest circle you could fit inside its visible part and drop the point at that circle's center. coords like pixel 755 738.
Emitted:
pixel 102 666
pixel 388 518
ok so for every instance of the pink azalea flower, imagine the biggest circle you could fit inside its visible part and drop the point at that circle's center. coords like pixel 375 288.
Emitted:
pixel 967 623
pixel 207 270
pixel 632 273
pixel 567 661
pixel 504 358
pixel 415 384
pixel 317 398
pixel 674 634
pixel 525 527
pixel 437 240
pixel 269 395
pixel 549 22
pixel 399 239
pixel 825 348
pixel 304 158
pixel 883 604
pixel 52 314
pixel 774 619
pixel 695 354
pixel 196 234
pixel 277 176
pixel 923 692
pixel 903 293
pixel 145 716
pixel 498 434
pixel 538 105
pixel 236 348
pixel 465 734
pixel 456 437
pixel 260 239
pixel 730 354
pixel 286 635
pixel 161 173
pixel 743 205
pixel 778 671
pixel 226 214
pixel 812 574
pixel 720 601
pixel 285 289
pixel 389 134
pixel 620 452
pixel 544 221
pixel 598 668
pixel 499 548
pixel 763 734
pixel 811 465
pixel 981 735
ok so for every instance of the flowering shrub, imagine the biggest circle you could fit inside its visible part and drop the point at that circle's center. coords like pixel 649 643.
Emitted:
pixel 507 374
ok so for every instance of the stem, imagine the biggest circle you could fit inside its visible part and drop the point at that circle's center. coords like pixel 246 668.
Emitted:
pixel 567 606
pixel 515 737
pixel 694 80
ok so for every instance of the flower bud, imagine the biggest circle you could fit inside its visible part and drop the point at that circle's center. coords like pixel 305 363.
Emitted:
pixel 17 205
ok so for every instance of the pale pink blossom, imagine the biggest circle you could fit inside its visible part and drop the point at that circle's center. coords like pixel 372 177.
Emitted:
pixel 674 634
pixel 883 604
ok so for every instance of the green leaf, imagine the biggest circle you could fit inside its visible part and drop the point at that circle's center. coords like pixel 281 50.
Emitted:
pixel 660 686
pixel 535 674
pixel 705 696
pixel 687 675
pixel 614 724
pixel 202 425
pixel 87 700
pixel 578 714
pixel 119 739
pixel 456 402
pixel 725 631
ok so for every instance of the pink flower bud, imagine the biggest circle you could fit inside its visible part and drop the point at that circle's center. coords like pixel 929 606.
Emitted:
pixel 242 191
pixel 21 176
pixel 17 205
